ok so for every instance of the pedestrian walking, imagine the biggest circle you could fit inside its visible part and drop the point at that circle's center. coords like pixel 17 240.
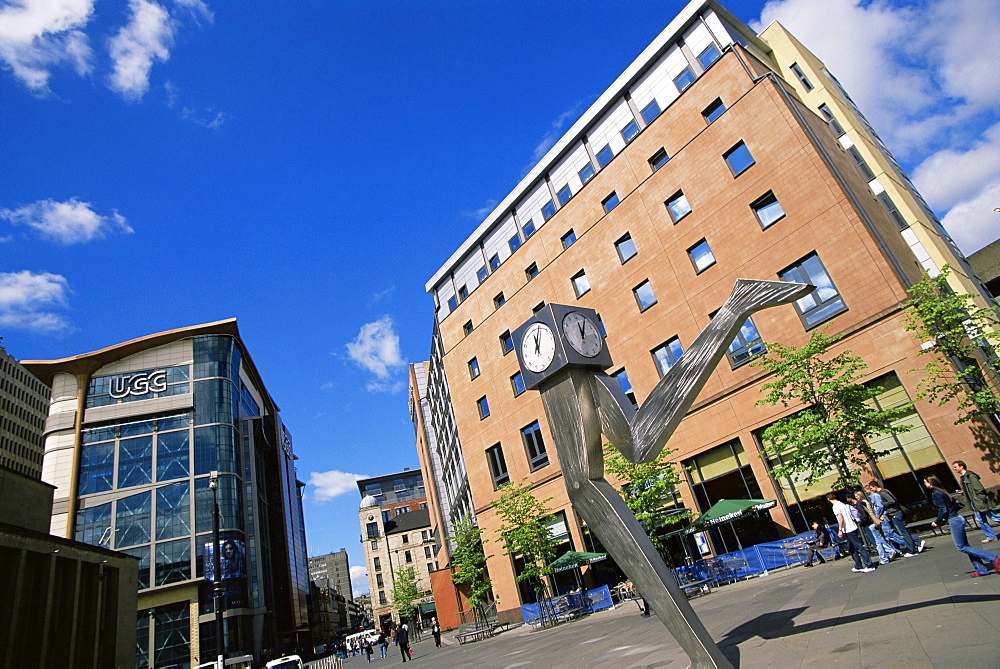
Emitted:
pixel 977 499
pixel 982 561
pixel 403 641
pixel 871 526
pixel 821 540
pixel 847 527
pixel 436 631
pixel 383 643
pixel 894 512
pixel 368 650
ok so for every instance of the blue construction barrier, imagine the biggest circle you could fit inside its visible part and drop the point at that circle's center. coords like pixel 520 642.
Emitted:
pixel 747 562
pixel 567 606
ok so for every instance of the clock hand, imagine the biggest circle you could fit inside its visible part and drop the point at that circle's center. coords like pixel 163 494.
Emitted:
pixel 538 347
pixel 583 333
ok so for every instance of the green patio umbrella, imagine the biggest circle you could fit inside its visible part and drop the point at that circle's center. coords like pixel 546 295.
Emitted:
pixel 573 559
pixel 729 510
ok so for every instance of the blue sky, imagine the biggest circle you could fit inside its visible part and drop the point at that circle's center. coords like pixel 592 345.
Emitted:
pixel 306 166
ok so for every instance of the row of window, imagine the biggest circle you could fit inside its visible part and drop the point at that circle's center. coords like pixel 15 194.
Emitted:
pixel 604 155
pixel 534 447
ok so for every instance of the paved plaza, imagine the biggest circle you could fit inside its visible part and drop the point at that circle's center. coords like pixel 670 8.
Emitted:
pixel 918 612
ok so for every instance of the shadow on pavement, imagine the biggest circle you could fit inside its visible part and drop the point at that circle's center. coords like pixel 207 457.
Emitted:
pixel 781 624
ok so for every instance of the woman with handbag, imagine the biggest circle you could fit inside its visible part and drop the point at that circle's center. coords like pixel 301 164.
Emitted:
pixel 982 561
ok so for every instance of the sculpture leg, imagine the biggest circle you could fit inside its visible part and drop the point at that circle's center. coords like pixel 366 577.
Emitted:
pixel 572 415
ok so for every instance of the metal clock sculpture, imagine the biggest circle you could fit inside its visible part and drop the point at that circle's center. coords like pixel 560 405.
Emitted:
pixel 563 354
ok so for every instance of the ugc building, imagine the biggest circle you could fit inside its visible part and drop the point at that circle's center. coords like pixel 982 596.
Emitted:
pixel 132 434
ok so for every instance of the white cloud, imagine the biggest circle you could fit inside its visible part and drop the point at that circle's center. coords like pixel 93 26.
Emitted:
pixel 359 580
pixel 37 35
pixel 926 79
pixel 27 300
pixel 973 224
pixel 334 483
pixel 147 37
pixel 376 348
pixel 69 222
pixel 389 387
pixel 549 139
pixel 197 8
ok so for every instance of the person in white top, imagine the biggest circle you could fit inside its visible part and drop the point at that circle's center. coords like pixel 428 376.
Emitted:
pixel 847 528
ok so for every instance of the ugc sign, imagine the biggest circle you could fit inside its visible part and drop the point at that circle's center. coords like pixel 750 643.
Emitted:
pixel 138 384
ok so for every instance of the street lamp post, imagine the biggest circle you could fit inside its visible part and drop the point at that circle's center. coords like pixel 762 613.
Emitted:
pixel 213 484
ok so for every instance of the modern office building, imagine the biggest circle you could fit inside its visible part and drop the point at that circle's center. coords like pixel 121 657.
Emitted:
pixel 133 433
pixel 396 534
pixel 335 568
pixel 24 401
pixel 717 154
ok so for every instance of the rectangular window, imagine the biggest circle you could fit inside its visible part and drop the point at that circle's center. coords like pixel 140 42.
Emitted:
pixel 622 377
pixel 801 76
pixel 498 466
pixel 860 162
pixel 381 597
pixel 709 55
pixel 473 368
pixel 610 202
pixel 528 228
pixel 463 292
pixel 738 158
pixel 483 406
pixel 374 545
pixel 666 354
pixel 564 195
pixel 678 206
pixel 823 303
pixel 514 243
pixel 626 248
pixel 481 274
pixel 658 159
pixel 467 328
pixel 581 284
pixel 531 271
pixel 630 131
pixel 494 262
pixel 701 256
pixel 386 515
pixel 452 303
pixel 427 553
pixel 568 239
pixel 377 563
pixel 600 325
pixel 767 209
pixel 887 202
pixel 534 445
pixel 406 539
pixel 548 210
pixel 748 344
pixel 714 110
pixel 409 556
pixel 831 120
pixel 506 342
pixel 378 581
pixel 587 173
pixel 605 155
pixel 684 79
pixel 517 383
pixel 644 295
pixel 499 300
pixel 538 307
pixel 650 112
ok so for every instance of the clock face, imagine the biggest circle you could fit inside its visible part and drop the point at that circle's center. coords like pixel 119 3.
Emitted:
pixel 538 347
pixel 582 334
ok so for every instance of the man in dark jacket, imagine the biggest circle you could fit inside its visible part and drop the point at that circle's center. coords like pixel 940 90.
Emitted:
pixel 403 640
pixel 820 541
pixel 977 499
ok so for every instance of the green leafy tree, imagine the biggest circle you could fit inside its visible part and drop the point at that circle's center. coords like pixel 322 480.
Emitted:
pixel 404 593
pixel 468 560
pixel 646 489
pixel 831 433
pixel 963 367
pixel 525 533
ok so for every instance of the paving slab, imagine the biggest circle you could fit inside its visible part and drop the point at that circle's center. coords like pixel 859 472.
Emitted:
pixel 918 613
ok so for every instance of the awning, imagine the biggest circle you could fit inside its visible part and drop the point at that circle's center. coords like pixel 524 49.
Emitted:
pixel 728 510
pixel 573 559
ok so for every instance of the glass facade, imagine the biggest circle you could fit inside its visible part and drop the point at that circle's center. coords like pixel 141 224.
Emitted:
pixel 144 490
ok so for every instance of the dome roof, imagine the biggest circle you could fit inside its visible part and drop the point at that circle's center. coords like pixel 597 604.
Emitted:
pixel 367 502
